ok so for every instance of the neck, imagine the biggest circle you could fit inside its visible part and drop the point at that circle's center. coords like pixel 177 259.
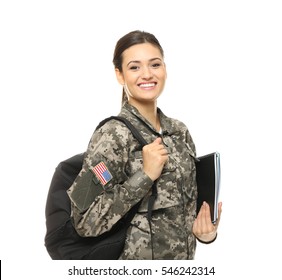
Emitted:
pixel 149 112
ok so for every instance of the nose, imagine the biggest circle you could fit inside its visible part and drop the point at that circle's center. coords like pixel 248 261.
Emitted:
pixel 147 74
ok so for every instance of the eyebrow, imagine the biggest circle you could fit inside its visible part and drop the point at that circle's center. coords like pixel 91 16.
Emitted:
pixel 138 61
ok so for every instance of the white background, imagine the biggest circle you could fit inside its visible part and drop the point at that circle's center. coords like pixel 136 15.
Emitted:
pixel 57 81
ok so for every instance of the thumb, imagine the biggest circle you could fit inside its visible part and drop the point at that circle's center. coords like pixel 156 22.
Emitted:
pixel 158 140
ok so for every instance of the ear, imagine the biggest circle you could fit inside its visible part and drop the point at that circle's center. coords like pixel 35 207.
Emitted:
pixel 119 76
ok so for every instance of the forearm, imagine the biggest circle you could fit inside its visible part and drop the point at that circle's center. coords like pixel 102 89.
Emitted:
pixel 111 205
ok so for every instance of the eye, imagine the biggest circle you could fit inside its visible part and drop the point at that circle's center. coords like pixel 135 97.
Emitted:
pixel 156 65
pixel 134 67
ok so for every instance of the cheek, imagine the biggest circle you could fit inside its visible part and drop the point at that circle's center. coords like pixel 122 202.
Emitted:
pixel 162 78
pixel 161 74
pixel 130 79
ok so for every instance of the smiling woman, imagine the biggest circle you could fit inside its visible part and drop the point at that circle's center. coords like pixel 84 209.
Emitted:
pixel 143 75
pixel 171 230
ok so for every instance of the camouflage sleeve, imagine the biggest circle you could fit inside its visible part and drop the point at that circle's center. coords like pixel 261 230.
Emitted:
pixel 190 144
pixel 103 192
pixel 191 208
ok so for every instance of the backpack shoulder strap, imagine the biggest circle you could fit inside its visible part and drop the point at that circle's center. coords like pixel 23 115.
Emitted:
pixel 130 126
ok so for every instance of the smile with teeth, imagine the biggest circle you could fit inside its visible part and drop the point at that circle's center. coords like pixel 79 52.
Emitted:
pixel 147 85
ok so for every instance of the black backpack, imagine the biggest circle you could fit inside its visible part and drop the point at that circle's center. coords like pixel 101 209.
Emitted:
pixel 61 240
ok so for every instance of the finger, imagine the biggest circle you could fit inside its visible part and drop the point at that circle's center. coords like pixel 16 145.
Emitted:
pixel 199 220
pixel 195 226
pixel 219 208
pixel 163 151
pixel 210 225
pixel 206 223
pixel 207 212
pixel 219 213
pixel 160 147
pixel 158 140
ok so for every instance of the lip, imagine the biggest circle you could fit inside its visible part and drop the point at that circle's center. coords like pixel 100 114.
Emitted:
pixel 147 86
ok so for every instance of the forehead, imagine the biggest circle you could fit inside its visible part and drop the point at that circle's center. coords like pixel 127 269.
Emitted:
pixel 141 52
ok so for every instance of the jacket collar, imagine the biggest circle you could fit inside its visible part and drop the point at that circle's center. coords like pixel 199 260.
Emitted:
pixel 133 115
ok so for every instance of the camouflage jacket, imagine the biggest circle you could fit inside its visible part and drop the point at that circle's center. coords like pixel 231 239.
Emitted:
pixel 123 184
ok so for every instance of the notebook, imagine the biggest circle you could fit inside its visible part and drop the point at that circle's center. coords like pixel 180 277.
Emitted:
pixel 208 182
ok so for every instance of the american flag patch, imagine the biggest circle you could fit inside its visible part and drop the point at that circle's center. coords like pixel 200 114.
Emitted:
pixel 102 173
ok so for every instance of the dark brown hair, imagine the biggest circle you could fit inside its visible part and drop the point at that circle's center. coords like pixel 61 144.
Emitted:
pixel 130 39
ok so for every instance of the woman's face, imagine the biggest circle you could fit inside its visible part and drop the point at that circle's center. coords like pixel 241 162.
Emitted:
pixel 143 73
